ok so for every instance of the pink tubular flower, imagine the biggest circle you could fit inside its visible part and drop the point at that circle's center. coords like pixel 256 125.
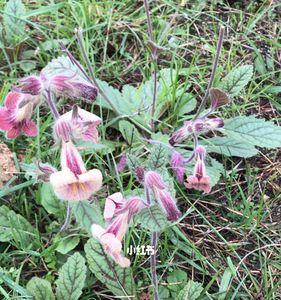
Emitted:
pixel 32 85
pixel 73 87
pixel 111 237
pixel 154 180
pixel 168 204
pixel 178 166
pixel 78 124
pixel 199 180
pixel 74 182
pixel 122 162
pixel 182 133
pixel 116 204
pixel 15 116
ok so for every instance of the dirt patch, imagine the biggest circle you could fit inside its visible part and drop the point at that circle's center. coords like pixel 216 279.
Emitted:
pixel 7 165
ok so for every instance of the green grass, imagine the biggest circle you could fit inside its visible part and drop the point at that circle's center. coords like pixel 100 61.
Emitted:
pixel 237 226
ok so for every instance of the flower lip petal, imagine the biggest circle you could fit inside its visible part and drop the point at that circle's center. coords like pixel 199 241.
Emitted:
pixel 13 99
pixel 30 128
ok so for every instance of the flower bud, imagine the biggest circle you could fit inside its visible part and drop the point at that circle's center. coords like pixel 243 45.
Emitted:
pixel 31 85
pixel 178 166
pixel 153 180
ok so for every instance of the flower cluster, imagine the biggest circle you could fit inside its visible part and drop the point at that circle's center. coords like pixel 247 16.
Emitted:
pixel 201 125
pixel 118 213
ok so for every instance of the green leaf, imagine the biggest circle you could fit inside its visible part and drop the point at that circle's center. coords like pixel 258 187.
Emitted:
pixel 129 132
pixel 257 132
pixel 224 285
pixel 13 20
pixel 71 278
pixel 118 280
pixel 176 280
pixel 158 157
pixel 67 244
pixel 49 201
pixel 237 79
pixel 230 147
pixel 40 289
pixel 15 227
pixel 87 214
pixel 152 218
pixel 191 291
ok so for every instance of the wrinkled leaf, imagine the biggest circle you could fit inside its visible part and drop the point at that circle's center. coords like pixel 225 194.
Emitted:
pixel 257 132
pixel 118 280
pixel 152 218
pixel 40 289
pixel 158 157
pixel 237 79
pixel 13 21
pixel 15 227
pixel 71 278
pixel 67 244
pixel 191 291
pixel 129 132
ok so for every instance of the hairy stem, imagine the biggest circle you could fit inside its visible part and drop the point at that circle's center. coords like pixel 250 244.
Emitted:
pixel 67 218
pixel 154 239
pixel 52 105
pixel 214 68
pixel 79 37
pixel 155 59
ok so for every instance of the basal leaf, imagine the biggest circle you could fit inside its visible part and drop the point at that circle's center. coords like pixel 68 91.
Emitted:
pixel 152 218
pixel 230 147
pixel 237 79
pixel 15 227
pixel 87 214
pixel 13 21
pixel 129 132
pixel 49 201
pixel 71 278
pixel 158 157
pixel 118 280
pixel 40 289
pixel 191 291
pixel 257 132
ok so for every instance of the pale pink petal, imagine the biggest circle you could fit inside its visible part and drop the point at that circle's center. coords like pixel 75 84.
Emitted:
pixel 5 119
pixel 87 116
pixel 121 260
pixel 119 226
pixel 111 203
pixel 13 133
pixel 93 178
pixel 71 159
pixel 97 231
pixel 12 100
pixel 30 128
pixel 111 243
pixel 91 134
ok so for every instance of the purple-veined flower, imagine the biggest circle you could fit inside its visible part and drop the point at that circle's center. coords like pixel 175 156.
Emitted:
pixel 155 183
pixel 199 180
pixel 74 182
pixel 116 204
pixel 111 237
pixel 122 162
pixel 32 84
pixel 77 124
pixel 177 163
pixel 15 116
pixel 73 87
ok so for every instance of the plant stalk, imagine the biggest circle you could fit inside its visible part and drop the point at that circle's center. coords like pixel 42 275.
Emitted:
pixel 67 218
pixel 155 61
pixel 214 68
pixel 79 37
pixel 154 242
pixel 52 105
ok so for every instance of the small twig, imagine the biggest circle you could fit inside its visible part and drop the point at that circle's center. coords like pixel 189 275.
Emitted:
pixel 154 59
pixel 67 218
pixel 214 68
pixel 79 36
pixel 52 105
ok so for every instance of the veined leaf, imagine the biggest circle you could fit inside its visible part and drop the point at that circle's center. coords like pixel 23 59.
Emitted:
pixel 158 157
pixel 71 279
pixel 13 22
pixel 118 280
pixel 230 147
pixel 237 79
pixel 191 291
pixel 68 243
pixel 49 201
pixel 257 132
pixel 15 227
pixel 129 132
pixel 152 218
pixel 87 214
pixel 40 289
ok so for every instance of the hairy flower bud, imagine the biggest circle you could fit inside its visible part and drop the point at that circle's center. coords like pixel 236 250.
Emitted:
pixel 153 180
pixel 31 85
pixel 178 166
